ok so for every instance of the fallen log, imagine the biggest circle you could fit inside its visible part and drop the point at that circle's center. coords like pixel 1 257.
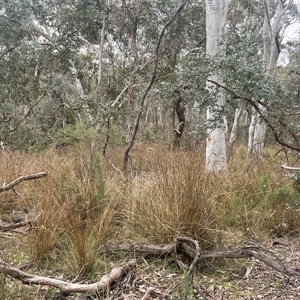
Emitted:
pixel 67 287
pixel 13 183
pixel 182 244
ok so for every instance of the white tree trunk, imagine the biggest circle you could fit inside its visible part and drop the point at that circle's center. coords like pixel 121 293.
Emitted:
pixel 254 116
pixel 100 55
pixel 271 28
pixel 239 115
pixel 216 16
pixel 257 144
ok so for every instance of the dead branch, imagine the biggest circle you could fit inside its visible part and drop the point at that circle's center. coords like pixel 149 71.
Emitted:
pixel 255 252
pixel 66 287
pixel 10 226
pixel 10 185
pixel 196 257
pixel 288 168
pixel 182 245
pixel 150 294
pixel 155 250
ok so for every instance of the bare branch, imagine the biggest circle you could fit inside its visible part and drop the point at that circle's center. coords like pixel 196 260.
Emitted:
pixel 119 96
pixel 8 227
pixel 67 287
pixel 10 185
pixel 182 246
pixel 196 258
pixel 29 110
pixel 40 30
pixel 288 168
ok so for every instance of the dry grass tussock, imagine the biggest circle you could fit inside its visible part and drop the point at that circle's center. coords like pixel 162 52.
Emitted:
pixel 71 206
pixel 83 202
pixel 175 196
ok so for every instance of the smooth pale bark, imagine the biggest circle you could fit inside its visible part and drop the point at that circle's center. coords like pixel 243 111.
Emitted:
pixel 271 28
pixel 131 96
pixel 216 16
pixel 239 115
pixel 80 91
pixel 100 55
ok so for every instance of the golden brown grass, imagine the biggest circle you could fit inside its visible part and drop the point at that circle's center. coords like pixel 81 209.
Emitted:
pixel 83 202
pixel 175 196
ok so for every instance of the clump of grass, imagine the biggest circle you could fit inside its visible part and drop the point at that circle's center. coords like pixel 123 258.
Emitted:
pixel 80 204
pixel 75 209
pixel 45 230
pixel 177 197
pixel 256 199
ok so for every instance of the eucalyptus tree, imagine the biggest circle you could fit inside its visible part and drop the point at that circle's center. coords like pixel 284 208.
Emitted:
pixel 248 84
pixel 55 44
pixel 174 94
pixel 273 28
pixel 216 18
pixel 135 33
pixel 20 90
pixel 245 84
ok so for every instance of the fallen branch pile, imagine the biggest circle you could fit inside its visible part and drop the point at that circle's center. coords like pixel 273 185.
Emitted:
pixel 183 245
pixel 4 226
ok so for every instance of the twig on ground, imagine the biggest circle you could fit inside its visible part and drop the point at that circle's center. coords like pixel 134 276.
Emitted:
pixel 288 168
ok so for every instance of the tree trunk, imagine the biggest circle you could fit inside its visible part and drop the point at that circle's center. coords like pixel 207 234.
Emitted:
pixel 271 44
pixel 180 112
pixel 131 98
pixel 131 141
pixel 216 16
pixel 168 117
pixel 100 54
pixel 239 115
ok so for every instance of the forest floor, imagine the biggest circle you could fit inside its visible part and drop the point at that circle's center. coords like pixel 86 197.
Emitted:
pixel 161 278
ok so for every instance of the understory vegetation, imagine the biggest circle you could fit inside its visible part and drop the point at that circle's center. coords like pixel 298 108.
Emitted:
pixel 84 203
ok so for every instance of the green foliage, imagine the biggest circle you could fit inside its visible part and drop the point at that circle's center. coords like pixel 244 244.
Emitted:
pixel 260 202
pixel 13 22
pixel 73 135
pixel 185 289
